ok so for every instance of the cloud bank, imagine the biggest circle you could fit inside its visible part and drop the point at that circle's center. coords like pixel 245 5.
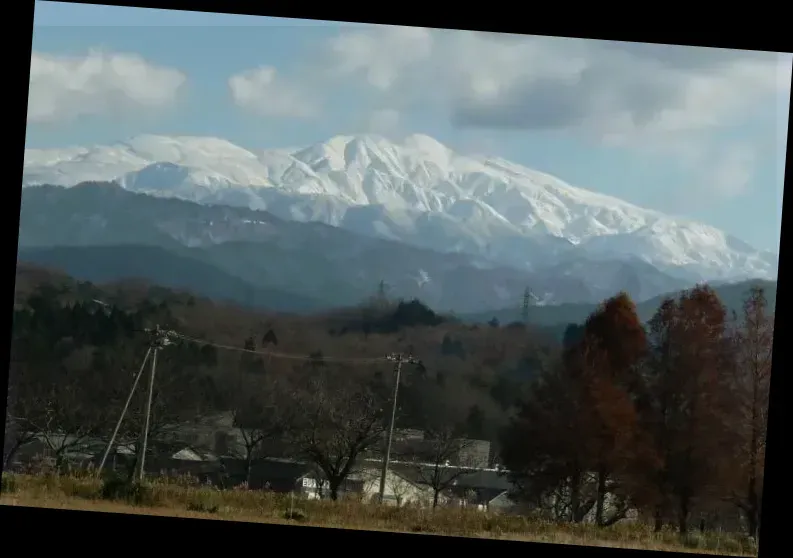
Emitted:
pixel 63 88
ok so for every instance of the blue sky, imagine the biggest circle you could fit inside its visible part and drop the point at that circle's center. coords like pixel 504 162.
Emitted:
pixel 693 132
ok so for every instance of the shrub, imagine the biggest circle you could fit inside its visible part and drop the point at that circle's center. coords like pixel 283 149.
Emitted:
pixel 8 485
pixel 135 493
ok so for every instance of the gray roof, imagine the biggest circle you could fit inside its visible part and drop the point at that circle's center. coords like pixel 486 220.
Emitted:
pixel 487 479
pixel 273 469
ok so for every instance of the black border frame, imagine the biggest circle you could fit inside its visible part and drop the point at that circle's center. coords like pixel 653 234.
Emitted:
pixel 60 529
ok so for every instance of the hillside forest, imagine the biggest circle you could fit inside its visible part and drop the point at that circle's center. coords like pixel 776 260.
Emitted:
pixel 669 416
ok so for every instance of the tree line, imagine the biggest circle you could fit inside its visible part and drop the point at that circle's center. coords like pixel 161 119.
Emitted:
pixel 665 418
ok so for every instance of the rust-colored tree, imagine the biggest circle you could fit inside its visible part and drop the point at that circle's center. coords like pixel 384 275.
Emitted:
pixel 754 338
pixel 546 447
pixel 686 402
pixel 614 343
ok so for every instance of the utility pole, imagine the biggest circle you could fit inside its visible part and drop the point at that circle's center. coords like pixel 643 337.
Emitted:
pixel 398 360
pixel 123 413
pixel 159 339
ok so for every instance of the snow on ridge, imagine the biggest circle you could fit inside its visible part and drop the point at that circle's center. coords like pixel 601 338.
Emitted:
pixel 485 198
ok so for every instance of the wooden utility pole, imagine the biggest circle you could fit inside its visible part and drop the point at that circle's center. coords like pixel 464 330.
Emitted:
pixel 398 360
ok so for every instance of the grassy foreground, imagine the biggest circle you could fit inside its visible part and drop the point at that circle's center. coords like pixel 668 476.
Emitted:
pixel 182 498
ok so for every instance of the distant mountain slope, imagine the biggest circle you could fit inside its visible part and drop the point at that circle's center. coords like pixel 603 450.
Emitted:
pixel 732 295
pixel 416 191
pixel 311 260
pixel 122 265
pixel 104 264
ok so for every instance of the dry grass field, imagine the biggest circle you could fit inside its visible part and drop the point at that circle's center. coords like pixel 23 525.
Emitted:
pixel 181 498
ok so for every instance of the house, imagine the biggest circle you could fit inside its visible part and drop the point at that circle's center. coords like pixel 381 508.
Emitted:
pixel 217 433
pixel 409 445
pixel 503 503
pixel 399 488
pixel 485 489
pixel 77 452
pixel 473 453
pixel 304 479
pixel 279 475
pixel 184 460
pixel 208 432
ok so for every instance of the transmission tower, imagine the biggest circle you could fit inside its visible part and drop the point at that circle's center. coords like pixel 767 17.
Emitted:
pixel 526 303
pixel 382 292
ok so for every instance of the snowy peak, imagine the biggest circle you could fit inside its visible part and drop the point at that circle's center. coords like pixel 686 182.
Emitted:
pixel 416 190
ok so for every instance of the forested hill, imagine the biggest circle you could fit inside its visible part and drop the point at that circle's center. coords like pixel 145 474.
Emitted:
pixel 477 367
pixel 166 268
pixel 185 270
pixel 558 316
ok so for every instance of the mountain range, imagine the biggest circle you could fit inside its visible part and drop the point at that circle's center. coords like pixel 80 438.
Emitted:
pixel 417 192
pixel 102 233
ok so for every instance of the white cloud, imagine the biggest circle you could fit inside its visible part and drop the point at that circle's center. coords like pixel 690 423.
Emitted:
pixel 65 87
pixel 612 91
pixel 615 92
pixel 262 91
pixel 379 55
pixel 731 171
pixel 383 121
pixel 713 174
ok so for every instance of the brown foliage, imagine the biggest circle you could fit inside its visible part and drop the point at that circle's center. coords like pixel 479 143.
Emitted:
pixel 687 403
pixel 547 447
pixel 614 343
pixel 615 328
pixel 582 417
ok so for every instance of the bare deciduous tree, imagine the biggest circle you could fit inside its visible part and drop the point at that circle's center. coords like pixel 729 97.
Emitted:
pixel 65 417
pixel 442 461
pixel 178 398
pixel 260 412
pixel 20 408
pixel 754 340
pixel 341 416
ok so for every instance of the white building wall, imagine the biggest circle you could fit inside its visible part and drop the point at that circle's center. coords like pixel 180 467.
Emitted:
pixel 398 490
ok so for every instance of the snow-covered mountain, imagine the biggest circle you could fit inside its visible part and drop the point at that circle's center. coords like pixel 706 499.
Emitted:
pixel 417 191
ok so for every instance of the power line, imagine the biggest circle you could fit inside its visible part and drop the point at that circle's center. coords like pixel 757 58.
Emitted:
pixel 398 358
pixel 160 338
pixel 274 354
